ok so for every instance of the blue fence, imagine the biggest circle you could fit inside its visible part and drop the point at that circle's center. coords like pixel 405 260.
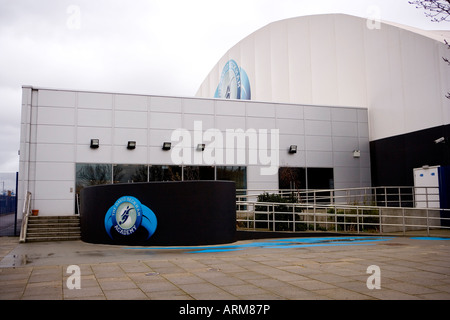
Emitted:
pixel 7 204
pixel 9 225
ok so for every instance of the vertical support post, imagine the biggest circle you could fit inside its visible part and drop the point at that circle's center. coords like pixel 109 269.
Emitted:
pixel 17 198
pixel 273 215
pixel 357 219
pixel 380 220
pixel 403 219
pixel 335 219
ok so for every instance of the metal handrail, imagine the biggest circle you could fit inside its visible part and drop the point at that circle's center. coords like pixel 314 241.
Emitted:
pixel 345 218
pixel 25 214
pixel 395 196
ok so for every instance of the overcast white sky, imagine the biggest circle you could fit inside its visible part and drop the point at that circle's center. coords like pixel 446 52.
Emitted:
pixel 163 47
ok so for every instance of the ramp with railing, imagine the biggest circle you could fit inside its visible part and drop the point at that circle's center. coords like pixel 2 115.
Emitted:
pixel 381 210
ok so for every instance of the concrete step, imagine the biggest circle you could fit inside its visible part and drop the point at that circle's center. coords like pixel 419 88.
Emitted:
pixel 53 238
pixel 55 228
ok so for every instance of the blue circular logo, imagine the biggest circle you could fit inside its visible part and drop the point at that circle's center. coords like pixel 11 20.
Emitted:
pixel 127 215
pixel 234 83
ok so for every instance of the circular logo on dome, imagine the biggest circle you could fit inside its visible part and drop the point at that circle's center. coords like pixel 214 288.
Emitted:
pixel 127 215
pixel 230 81
pixel 234 83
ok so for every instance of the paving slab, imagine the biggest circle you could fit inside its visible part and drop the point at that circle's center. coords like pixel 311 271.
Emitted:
pixel 321 268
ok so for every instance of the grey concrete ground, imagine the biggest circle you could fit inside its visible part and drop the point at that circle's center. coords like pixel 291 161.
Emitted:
pixel 271 269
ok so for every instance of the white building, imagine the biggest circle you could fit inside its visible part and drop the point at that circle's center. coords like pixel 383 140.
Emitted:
pixel 363 103
pixel 395 71
pixel 57 159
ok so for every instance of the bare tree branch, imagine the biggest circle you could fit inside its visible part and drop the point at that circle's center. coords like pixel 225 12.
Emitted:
pixel 437 10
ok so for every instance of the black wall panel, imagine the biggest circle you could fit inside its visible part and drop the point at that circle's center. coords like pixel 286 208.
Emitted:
pixel 187 213
pixel 393 159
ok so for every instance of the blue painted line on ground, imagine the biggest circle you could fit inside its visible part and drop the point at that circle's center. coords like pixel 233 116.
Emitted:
pixel 278 244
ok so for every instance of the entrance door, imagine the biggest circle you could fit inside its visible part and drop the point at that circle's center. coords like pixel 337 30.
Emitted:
pixel 426 183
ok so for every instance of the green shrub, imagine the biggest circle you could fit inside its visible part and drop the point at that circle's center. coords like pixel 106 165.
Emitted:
pixel 284 220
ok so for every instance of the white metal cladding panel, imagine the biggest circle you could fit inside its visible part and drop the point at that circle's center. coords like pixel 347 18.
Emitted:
pixel 130 119
pixel 287 140
pixel 206 121
pixel 130 102
pixel 347 175
pixel 87 155
pixel 198 106
pixel 52 98
pixel 55 134
pixel 55 116
pixel 319 128
pixel 319 159
pixel 165 120
pixel 53 190
pixel 344 114
pixel 346 129
pixel 54 153
pixel 292 160
pixel 230 122
pixel 157 137
pixel 123 135
pixel 289 111
pixel 165 104
pixel 364 144
pixel 95 100
pixel 317 113
pixel 94 118
pixel 55 171
pixel 260 109
pixel 363 129
pixel 290 126
pixel 345 159
pixel 230 108
pixel 120 154
pixel 261 123
pixel 318 143
pixel 85 134
pixel 346 144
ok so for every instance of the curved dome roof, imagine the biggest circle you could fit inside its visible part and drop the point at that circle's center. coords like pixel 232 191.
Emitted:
pixel 395 71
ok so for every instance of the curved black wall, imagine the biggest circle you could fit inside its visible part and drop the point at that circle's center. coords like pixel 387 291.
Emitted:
pixel 187 213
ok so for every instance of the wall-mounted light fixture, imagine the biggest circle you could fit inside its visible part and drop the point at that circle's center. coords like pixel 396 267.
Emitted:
pixel 293 149
pixel 131 145
pixel 200 147
pixel 440 140
pixel 95 143
pixel 356 153
pixel 167 145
